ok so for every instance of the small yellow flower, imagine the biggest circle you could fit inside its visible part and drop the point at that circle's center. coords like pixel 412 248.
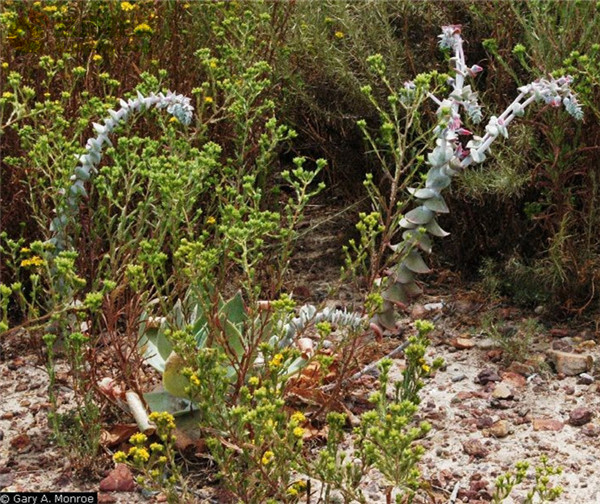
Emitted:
pixel 157 447
pixel 276 361
pixel 298 432
pixel 24 250
pixel 254 381
pixel 119 457
pixel 298 417
pixel 195 380
pixel 5 65
pixel 32 261
pixel 37 4
pixel 7 94
pixel 208 99
pixel 143 28
pixel 186 5
pixel 162 460
pixel 267 458
pixel 126 6
pixel 50 8
pixel 97 57
pixel 212 64
pixel 339 34
pixel 141 455
pixel 210 221
pixel 425 368
pixel 173 120
pixel 292 492
pixel 138 438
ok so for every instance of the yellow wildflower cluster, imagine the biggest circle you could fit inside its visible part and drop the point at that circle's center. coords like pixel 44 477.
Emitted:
pixel 156 447
pixel 127 6
pixel 208 99
pixel 120 457
pixel 138 439
pixel 139 455
pixel 267 458
pixel 298 417
pixel 50 8
pixel 339 34
pixel 298 432
pixel 32 261
pixel 195 380
pixel 210 221
pixel 143 29
pixel 276 361
pixel 297 488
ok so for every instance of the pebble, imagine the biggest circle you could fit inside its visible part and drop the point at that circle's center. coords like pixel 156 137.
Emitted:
pixel 119 479
pixel 475 448
pixel 458 378
pixel 580 416
pixel 486 376
pixel 585 379
pixel 499 429
pixel 486 344
pixel 502 391
pixel 570 364
pixel 546 424
pixel 462 343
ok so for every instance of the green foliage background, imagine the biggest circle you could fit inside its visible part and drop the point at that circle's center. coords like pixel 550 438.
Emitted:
pixel 528 218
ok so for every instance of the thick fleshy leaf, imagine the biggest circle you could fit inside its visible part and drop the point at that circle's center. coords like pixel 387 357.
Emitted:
pixel 437 205
pixel 163 401
pixel 402 274
pixel 395 293
pixel 434 228
pixel 422 193
pixel 412 289
pixel 386 318
pixel 407 225
pixel 420 215
pixel 436 180
pixel 421 240
pixel 415 262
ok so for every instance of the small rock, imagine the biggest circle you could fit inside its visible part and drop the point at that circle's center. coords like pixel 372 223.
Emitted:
pixel 462 343
pixel 546 424
pixel 570 364
pixel 521 368
pixel 502 391
pixel 119 479
pixel 499 429
pixel 585 379
pixel 495 355
pixel 487 344
pixel 21 387
pixel 475 448
pixel 7 416
pixel 591 430
pixel 20 442
pixel 486 376
pixel 458 378
pixel 514 379
pixel 433 306
pixel 6 480
pixel 484 422
pixel 580 416
pixel 569 390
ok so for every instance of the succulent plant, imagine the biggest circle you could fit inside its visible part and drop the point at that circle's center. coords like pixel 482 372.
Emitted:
pixel 447 159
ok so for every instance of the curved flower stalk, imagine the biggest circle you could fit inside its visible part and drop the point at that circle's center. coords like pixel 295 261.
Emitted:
pixel 448 158
pixel 176 104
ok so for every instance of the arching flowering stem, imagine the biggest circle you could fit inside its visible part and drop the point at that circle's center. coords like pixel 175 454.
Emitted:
pixel 448 158
pixel 176 105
